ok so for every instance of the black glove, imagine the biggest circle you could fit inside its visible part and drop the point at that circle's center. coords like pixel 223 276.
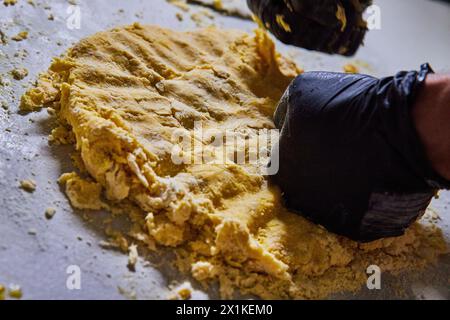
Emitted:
pixel 349 155
pixel 331 26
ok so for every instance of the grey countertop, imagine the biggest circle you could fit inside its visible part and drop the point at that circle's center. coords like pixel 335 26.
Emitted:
pixel 412 32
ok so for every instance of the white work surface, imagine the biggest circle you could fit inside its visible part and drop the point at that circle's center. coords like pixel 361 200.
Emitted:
pixel 412 32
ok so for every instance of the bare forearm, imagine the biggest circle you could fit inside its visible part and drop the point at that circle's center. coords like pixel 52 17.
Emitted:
pixel 431 115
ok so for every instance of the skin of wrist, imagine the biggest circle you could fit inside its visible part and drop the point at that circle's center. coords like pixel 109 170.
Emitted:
pixel 431 117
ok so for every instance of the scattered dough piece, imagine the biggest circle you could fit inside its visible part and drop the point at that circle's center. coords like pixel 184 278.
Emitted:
pixel 185 293
pixel 2 292
pixel 9 2
pixel 28 185
pixel 20 36
pixel 218 4
pixel 3 38
pixel 19 73
pixel 181 292
pixel 179 16
pixel 340 15
pixel 181 4
pixel 50 213
pixel 350 68
pixel 2 81
pixel 282 23
pixel 132 257
pixel 15 291
pixel 4 105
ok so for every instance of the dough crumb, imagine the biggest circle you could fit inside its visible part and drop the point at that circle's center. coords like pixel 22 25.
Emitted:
pixel 15 291
pixel 181 292
pixel 9 2
pixel 127 293
pixel 350 68
pixel 185 293
pixel 218 4
pixel 2 292
pixel 132 257
pixel 50 213
pixel 180 4
pixel 3 38
pixel 282 23
pixel 179 16
pixel 4 82
pixel 19 73
pixel 4 105
pixel 20 36
pixel 28 185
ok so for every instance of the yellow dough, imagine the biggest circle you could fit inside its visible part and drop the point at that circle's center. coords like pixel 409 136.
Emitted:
pixel 120 95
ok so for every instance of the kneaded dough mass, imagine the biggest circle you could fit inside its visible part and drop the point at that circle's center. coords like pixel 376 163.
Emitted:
pixel 119 96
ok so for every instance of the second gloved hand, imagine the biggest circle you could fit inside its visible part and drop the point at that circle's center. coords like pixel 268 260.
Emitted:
pixel 331 26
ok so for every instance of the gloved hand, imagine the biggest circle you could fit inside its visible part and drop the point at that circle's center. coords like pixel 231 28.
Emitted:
pixel 349 155
pixel 331 26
